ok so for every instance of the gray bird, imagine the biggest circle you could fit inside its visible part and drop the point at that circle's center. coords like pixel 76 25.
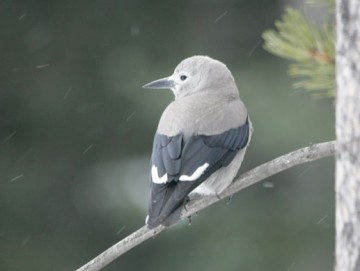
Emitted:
pixel 201 138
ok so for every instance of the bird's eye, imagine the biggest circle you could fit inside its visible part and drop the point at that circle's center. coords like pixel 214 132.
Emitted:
pixel 183 77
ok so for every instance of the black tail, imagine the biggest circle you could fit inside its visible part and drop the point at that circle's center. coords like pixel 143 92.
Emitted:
pixel 166 202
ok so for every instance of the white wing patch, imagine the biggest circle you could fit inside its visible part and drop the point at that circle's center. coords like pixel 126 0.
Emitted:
pixel 198 172
pixel 155 176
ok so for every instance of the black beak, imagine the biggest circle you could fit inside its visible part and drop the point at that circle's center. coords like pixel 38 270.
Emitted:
pixel 163 83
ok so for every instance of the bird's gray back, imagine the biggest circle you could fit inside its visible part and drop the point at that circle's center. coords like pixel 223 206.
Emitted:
pixel 202 114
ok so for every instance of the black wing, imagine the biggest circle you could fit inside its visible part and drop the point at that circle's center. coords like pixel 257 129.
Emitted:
pixel 179 166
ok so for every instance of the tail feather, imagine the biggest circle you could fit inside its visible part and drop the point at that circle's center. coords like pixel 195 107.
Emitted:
pixel 166 203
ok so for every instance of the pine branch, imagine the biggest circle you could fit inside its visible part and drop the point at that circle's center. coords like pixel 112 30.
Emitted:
pixel 311 49
pixel 304 155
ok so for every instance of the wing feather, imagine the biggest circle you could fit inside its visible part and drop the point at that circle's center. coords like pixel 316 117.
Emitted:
pixel 177 157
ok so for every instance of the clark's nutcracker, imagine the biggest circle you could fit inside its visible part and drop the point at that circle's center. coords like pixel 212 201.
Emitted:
pixel 201 138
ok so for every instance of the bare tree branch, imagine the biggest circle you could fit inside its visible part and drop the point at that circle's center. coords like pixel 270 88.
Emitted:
pixel 304 155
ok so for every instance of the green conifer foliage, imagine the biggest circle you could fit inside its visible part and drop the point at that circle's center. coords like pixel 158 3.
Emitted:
pixel 309 47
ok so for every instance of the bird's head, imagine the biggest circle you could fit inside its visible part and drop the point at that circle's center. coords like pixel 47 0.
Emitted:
pixel 197 74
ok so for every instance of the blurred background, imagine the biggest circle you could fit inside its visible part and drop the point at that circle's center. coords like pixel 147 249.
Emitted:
pixel 76 131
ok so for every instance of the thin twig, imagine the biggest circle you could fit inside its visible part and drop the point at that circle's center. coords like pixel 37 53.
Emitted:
pixel 304 155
